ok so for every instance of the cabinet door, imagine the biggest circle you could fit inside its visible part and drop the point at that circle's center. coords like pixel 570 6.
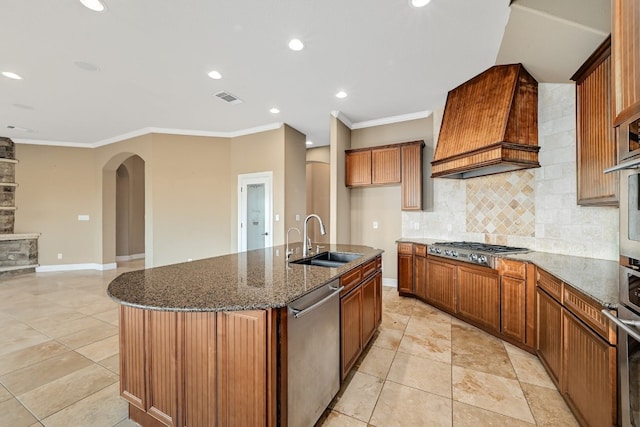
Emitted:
pixel 420 276
pixel 242 368
pixel 358 168
pixel 351 329
pixel 162 361
pixel 625 38
pixel 589 374
pixel 513 308
pixel 132 356
pixel 405 274
pixel 596 140
pixel 385 165
pixel 479 296
pixel 368 309
pixel 441 288
pixel 549 334
pixel 411 186
pixel 378 279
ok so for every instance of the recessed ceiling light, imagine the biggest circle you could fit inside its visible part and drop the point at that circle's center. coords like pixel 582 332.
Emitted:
pixel 95 5
pixel 420 3
pixel 342 94
pixel 86 66
pixel 309 142
pixel 11 75
pixel 215 75
pixel 274 110
pixel 296 44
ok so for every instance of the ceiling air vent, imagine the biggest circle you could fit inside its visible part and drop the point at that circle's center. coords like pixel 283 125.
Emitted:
pixel 231 99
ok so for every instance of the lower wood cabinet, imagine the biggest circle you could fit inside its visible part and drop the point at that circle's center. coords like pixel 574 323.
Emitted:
pixel 513 308
pixel 420 275
pixel 405 268
pixel 588 374
pixel 479 296
pixel 360 316
pixel 549 334
pixel 441 289
pixel 197 369
pixel 581 360
pixel 351 329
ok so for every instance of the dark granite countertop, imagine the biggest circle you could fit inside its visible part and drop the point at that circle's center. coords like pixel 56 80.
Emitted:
pixel 253 280
pixel 596 278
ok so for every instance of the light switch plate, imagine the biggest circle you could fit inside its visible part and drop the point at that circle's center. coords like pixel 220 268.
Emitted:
pixel 375 225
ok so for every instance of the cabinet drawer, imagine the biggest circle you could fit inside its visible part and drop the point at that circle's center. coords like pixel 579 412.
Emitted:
pixel 589 312
pixel 369 268
pixel 420 250
pixel 515 269
pixel 379 263
pixel 350 279
pixel 405 248
pixel 550 284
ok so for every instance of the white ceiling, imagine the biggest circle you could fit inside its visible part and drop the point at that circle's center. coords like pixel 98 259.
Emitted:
pixel 154 55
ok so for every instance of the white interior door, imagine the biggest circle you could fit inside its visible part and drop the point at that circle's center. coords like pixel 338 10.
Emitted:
pixel 255 228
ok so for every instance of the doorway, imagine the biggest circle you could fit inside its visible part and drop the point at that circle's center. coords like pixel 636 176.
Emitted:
pixel 255 227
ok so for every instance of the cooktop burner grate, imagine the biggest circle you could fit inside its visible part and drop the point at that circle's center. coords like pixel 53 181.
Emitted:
pixel 473 252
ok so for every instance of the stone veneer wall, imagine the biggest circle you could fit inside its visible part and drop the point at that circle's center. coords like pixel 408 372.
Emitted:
pixel 534 208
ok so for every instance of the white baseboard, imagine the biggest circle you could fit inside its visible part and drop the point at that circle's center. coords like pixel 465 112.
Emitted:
pixel 129 257
pixel 392 283
pixel 72 267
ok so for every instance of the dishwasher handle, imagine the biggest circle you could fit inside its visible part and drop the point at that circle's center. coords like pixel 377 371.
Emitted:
pixel 629 326
pixel 297 313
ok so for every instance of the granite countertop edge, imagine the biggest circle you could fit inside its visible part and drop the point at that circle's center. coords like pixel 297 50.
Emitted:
pixel 594 277
pixel 254 280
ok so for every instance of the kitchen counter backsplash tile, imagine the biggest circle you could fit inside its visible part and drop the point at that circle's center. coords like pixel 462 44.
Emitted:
pixel 537 208
pixel 253 280
pixel 597 278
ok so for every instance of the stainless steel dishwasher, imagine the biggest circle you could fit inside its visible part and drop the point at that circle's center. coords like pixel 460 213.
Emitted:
pixel 313 350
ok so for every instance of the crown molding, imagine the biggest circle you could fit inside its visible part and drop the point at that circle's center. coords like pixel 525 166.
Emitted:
pixel 392 119
pixel 150 130
pixel 341 116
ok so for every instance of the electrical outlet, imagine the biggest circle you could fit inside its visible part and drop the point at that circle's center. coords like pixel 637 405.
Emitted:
pixel 83 217
pixel 277 217
pixel 59 256
pixel 297 217
pixel 375 225
pixel 416 225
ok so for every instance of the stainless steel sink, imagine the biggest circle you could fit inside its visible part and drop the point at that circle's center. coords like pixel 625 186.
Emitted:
pixel 329 259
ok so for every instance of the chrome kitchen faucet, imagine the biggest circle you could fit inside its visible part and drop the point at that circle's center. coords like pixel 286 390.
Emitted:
pixel 306 245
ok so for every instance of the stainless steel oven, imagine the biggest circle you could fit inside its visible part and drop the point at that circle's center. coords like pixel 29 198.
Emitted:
pixel 628 322
pixel 630 213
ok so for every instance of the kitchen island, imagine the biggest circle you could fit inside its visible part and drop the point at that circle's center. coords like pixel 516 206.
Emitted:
pixel 205 342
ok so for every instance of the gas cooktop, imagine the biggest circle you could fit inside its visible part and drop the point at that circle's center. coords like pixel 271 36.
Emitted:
pixel 473 252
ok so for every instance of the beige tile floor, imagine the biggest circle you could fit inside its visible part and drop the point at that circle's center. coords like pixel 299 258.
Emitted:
pixel 59 364
pixel 426 368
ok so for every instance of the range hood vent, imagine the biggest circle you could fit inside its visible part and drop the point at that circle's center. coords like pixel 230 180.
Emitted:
pixel 490 125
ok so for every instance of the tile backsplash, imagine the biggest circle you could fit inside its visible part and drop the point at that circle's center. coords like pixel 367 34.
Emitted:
pixel 534 208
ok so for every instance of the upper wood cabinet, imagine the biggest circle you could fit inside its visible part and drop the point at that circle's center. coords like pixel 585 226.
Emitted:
pixel 385 166
pixel 596 142
pixel 358 168
pixel 625 38
pixel 388 165
pixel 412 176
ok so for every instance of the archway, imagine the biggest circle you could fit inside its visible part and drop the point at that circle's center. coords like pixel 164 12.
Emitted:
pixel 135 167
pixel 130 210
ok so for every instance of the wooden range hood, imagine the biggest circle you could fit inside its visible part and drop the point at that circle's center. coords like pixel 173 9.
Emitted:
pixel 490 125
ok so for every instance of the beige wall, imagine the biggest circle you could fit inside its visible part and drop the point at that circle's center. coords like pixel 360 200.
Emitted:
pixel 190 194
pixel 55 185
pixel 382 204
pixel 340 205
pixel 319 154
pixel 190 198
pixel 295 187
pixel 318 185
pixel 259 152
